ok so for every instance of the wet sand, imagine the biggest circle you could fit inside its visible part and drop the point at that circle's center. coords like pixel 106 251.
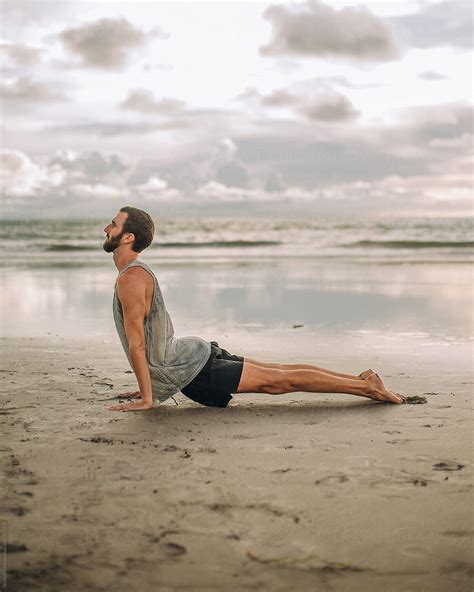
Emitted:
pixel 296 492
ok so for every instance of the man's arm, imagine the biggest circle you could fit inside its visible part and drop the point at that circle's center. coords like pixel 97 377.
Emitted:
pixel 131 289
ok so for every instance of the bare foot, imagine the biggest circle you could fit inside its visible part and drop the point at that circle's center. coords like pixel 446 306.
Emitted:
pixel 379 392
pixel 366 373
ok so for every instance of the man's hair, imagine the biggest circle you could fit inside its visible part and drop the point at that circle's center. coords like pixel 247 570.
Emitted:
pixel 141 225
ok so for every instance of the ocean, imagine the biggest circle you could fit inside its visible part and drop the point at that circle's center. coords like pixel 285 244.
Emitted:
pixel 78 242
pixel 224 275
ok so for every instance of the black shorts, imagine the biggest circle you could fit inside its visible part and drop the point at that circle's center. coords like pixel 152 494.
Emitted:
pixel 217 380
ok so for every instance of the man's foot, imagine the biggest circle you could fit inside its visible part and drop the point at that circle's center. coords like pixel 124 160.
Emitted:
pixel 366 373
pixel 379 392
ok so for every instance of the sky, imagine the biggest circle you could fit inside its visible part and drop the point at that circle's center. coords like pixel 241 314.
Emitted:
pixel 236 108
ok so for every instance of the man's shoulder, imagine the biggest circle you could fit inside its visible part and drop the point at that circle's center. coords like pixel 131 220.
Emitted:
pixel 133 277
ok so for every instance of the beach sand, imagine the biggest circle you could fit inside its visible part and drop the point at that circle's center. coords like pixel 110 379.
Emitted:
pixel 295 492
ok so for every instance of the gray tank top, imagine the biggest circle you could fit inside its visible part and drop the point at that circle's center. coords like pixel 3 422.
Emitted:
pixel 173 362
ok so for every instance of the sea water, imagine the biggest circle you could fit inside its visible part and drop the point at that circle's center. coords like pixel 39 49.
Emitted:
pixel 398 276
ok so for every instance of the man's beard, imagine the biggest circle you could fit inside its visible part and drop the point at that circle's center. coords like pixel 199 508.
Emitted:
pixel 110 244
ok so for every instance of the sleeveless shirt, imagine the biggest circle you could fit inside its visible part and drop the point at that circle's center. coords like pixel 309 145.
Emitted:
pixel 173 362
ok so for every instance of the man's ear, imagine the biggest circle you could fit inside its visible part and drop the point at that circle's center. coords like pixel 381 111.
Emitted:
pixel 129 237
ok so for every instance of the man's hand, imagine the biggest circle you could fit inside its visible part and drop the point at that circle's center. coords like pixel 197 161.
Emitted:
pixel 141 406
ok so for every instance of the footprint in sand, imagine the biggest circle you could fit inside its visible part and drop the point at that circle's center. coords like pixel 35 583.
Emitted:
pixel 173 549
pixel 98 440
pixel 16 548
pixel 448 466
pixel 332 479
pixel 414 400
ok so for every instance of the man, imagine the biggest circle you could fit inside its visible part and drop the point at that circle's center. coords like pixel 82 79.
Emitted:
pixel 201 370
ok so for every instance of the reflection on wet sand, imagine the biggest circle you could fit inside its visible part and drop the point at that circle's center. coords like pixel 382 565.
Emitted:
pixel 432 299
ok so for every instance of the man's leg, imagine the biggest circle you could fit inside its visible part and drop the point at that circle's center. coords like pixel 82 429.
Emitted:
pixel 275 381
pixel 363 374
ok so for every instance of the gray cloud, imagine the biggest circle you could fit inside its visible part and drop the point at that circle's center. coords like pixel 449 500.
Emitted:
pixel 449 22
pixel 196 164
pixel 310 164
pixel 331 108
pixel 248 93
pixel 90 165
pixel 426 140
pixel 273 183
pixel 279 98
pixel 233 174
pixel 117 128
pixel 328 105
pixel 316 29
pixel 105 43
pixel 441 121
pixel 21 55
pixel 264 160
pixel 143 101
pixel 286 97
pixel 332 81
pixel 87 176
pixel 18 16
pixel 430 75
pixel 426 153
pixel 26 90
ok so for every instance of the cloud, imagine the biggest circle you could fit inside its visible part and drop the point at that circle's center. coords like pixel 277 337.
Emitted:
pixel 20 15
pixel 66 173
pixel 444 192
pixel 331 108
pixel 329 105
pixel 431 75
pixel 446 23
pixel 338 178
pixel 421 142
pixel 97 191
pixel 279 98
pixel 273 183
pixel 219 192
pixel 117 128
pixel 88 165
pixel 234 175
pixel 271 159
pixel 143 101
pixel 106 43
pixel 75 177
pixel 153 184
pixel 226 149
pixel 157 189
pixel 215 159
pixel 20 176
pixel 444 121
pixel 315 29
pixel 309 163
pixel 21 55
pixel 193 162
pixel 284 97
pixel 26 90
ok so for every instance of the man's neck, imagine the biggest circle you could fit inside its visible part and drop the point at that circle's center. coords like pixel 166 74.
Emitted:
pixel 121 260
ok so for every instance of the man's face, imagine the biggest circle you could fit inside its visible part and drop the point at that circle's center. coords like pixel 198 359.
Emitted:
pixel 114 232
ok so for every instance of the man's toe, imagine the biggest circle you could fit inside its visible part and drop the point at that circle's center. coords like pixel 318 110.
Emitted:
pixel 396 397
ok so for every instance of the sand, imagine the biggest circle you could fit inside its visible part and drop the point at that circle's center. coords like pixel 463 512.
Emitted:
pixel 297 492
